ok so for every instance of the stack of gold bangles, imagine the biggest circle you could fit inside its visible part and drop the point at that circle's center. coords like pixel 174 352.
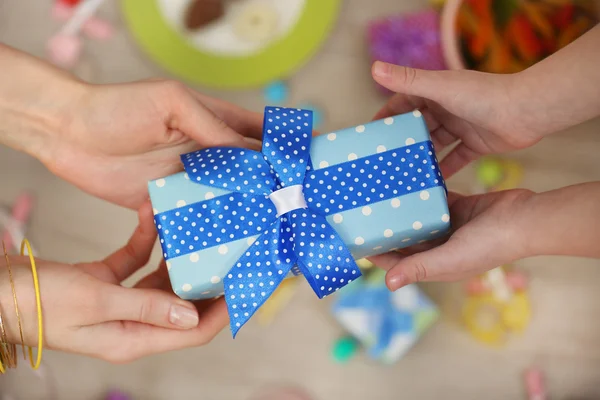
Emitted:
pixel 8 351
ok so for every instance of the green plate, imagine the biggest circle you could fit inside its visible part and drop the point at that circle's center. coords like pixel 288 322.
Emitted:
pixel 174 53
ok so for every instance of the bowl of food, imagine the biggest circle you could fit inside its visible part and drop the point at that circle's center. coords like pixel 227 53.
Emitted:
pixel 506 36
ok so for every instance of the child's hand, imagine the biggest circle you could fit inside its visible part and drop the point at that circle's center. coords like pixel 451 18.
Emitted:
pixel 498 228
pixel 472 108
pixel 488 232
pixel 86 310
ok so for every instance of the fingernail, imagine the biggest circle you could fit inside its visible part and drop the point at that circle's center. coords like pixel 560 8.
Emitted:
pixel 183 317
pixel 381 69
pixel 395 282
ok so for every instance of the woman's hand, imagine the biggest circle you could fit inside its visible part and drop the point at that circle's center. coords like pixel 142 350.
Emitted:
pixel 86 310
pixel 114 139
pixel 110 140
pixel 475 109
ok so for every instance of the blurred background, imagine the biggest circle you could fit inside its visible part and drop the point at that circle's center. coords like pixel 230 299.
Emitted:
pixel 520 331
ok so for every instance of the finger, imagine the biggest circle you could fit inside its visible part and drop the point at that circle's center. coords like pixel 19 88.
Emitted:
pixel 129 341
pixel 243 121
pixel 424 266
pixel 441 138
pixel 433 85
pixel 212 321
pixel 158 279
pixel 188 115
pixel 148 306
pixel 136 253
pixel 457 159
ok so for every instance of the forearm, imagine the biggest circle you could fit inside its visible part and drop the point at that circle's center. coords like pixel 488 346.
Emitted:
pixel 33 99
pixel 563 221
pixel 562 90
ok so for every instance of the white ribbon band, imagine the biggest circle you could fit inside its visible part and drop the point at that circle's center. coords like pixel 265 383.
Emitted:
pixel 288 199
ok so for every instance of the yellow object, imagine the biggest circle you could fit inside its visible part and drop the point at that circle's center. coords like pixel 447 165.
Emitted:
pixel 437 3
pixel 483 319
pixel 278 300
pixel 364 263
pixel 513 173
pixel 516 314
pixel 15 302
pixel 491 320
pixel 36 286
pixel 256 23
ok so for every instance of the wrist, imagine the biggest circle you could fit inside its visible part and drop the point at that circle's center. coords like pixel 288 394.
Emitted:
pixel 561 222
pixel 35 99
pixel 526 106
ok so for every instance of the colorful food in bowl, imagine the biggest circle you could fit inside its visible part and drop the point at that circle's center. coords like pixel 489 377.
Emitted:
pixel 505 36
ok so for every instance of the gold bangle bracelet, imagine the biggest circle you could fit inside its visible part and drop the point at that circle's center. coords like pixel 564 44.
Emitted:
pixel 38 302
pixel 15 302
pixel 7 350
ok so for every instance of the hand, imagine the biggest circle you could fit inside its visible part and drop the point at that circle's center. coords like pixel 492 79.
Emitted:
pixel 474 109
pixel 489 231
pixel 86 310
pixel 114 139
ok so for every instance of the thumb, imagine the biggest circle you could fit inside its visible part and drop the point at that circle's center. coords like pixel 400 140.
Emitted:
pixel 447 261
pixel 149 306
pixel 198 122
pixel 411 81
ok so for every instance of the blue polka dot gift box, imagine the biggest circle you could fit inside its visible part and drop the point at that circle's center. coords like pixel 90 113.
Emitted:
pixel 387 324
pixel 237 222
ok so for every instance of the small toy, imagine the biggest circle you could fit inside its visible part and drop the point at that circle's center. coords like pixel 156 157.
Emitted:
pixel 344 349
pixel 13 233
pixel 13 223
pixel 64 48
pixel 94 27
pixel 497 308
pixel 534 383
pixel 364 264
pixel 387 324
pixel 412 40
pixel 496 174
pixel 276 93
pixel 117 395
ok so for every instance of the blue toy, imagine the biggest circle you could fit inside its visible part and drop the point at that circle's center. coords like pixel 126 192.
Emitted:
pixel 276 93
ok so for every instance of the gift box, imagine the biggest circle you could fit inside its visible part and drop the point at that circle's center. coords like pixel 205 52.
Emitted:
pixel 237 221
pixel 387 324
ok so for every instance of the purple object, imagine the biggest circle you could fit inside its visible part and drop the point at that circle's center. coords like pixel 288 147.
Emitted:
pixel 117 396
pixel 411 40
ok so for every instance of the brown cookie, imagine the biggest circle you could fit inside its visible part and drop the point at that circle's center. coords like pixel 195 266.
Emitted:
pixel 203 12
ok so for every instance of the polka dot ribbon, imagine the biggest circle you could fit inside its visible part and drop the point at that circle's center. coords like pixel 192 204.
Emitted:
pixel 278 195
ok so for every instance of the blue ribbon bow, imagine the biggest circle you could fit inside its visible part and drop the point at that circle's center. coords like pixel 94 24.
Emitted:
pixel 278 195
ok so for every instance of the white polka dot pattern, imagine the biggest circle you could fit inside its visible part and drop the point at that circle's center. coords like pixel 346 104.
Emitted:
pixel 328 191
pixel 300 240
pixel 368 180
